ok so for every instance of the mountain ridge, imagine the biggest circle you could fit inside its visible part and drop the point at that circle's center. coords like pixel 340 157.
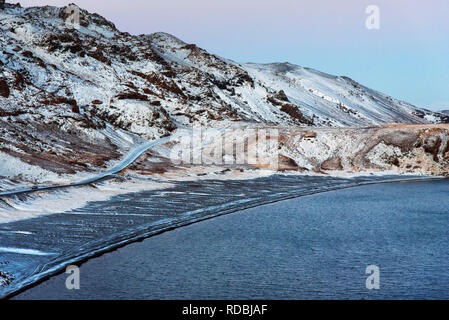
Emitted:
pixel 74 100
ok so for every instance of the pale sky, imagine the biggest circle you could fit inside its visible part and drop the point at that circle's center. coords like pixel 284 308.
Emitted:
pixel 407 58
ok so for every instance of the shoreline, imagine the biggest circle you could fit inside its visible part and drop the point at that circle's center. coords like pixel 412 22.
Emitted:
pixel 117 241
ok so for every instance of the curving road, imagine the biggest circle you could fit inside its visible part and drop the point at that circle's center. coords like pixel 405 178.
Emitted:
pixel 129 159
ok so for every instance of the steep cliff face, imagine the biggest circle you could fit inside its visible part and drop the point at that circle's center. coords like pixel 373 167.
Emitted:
pixel 73 99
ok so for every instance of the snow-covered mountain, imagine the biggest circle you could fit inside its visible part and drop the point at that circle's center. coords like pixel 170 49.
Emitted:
pixel 71 100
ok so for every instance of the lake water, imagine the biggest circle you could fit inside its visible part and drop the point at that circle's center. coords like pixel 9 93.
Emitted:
pixel 311 247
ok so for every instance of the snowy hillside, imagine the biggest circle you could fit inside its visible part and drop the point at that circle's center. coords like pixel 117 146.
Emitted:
pixel 73 100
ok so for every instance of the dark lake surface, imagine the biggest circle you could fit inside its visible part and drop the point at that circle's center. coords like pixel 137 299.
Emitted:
pixel 312 247
pixel 33 249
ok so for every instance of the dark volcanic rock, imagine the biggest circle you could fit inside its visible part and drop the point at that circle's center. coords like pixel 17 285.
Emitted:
pixel 332 164
pixel 400 138
pixel 282 96
pixel 432 145
pixel 4 89
pixel 285 163
pixel 293 111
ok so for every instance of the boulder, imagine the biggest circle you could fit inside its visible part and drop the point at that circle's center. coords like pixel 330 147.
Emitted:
pixel 332 164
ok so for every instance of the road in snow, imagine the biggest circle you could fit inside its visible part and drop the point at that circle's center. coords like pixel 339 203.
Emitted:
pixel 129 159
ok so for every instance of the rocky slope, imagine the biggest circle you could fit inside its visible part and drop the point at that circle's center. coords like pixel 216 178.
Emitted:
pixel 74 100
pixel 399 149
pixel 393 149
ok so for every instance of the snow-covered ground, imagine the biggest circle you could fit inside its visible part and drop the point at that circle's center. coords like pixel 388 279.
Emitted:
pixel 74 100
